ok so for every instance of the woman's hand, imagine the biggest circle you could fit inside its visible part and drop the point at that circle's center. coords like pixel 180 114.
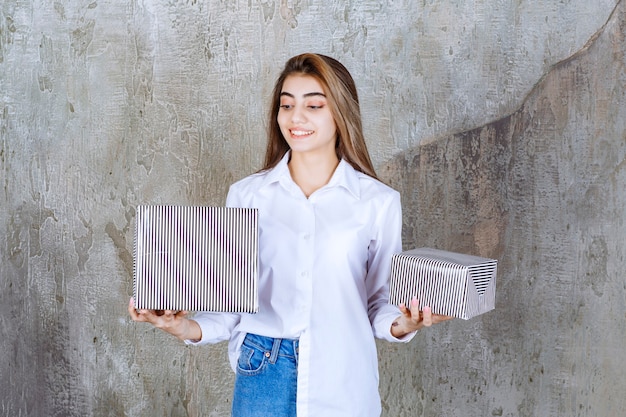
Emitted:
pixel 412 319
pixel 173 322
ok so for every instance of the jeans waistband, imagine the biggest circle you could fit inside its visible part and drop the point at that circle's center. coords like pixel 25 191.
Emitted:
pixel 273 347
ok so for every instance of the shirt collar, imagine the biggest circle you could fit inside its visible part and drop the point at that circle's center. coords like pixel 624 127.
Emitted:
pixel 281 170
pixel 347 177
pixel 344 176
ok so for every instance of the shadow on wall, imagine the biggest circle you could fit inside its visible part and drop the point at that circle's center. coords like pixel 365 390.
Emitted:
pixel 542 191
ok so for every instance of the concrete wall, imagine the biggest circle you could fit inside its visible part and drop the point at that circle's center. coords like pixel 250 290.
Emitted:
pixel 501 123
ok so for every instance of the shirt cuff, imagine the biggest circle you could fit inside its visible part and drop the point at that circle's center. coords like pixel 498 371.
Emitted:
pixel 404 339
pixel 215 327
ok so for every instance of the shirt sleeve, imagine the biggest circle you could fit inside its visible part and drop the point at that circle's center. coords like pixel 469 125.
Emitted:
pixel 216 327
pixel 386 243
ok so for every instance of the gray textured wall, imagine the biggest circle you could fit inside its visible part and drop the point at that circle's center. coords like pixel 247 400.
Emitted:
pixel 501 123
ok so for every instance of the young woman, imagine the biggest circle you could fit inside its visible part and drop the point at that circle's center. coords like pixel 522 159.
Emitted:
pixel 328 229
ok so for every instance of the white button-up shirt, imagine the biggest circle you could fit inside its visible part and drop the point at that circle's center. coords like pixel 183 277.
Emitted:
pixel 324 264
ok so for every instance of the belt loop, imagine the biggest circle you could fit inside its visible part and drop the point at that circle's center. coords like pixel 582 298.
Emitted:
pixel 275 350
pixel 296 350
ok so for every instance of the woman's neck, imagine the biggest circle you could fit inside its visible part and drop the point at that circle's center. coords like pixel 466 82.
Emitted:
pixel 312 172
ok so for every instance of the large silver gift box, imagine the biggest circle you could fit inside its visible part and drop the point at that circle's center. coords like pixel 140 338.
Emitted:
pixel 196 258
pixel 450 283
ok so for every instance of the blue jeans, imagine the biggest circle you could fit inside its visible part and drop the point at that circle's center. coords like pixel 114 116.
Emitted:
pixel 265 384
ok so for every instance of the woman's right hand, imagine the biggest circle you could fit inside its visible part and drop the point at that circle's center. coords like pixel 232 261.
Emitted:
pixel 173 322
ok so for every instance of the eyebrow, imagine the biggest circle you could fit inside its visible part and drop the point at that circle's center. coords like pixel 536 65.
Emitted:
pixel 313 94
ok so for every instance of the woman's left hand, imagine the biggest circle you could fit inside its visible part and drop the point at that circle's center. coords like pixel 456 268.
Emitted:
pixel 413 319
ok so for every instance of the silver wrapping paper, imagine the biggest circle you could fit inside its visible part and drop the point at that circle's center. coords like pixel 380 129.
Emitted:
pixel 196 258
pixel 450 283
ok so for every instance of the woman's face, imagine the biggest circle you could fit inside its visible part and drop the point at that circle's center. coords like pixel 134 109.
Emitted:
pixel 304 117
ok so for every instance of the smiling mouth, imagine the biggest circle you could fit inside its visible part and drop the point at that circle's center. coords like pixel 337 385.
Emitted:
pixel 300 133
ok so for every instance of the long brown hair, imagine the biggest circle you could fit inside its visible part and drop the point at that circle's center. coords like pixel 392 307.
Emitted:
pixel 343 101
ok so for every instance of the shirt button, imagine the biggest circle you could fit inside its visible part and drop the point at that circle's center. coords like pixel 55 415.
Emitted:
pixel 267 354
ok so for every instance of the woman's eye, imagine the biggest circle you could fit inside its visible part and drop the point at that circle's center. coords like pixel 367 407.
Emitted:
pixel 316 107
pixel 285 106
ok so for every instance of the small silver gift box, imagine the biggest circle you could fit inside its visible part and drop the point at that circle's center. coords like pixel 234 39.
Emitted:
pixel 452 284
pixel 196 258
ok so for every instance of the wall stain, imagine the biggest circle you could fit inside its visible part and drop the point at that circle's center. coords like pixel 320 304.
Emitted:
pixel 289 11
pixel 46 57
pixel 7 29
pixel 82 244
pixel 119 241
pixel 15 242
pixel 23 238
pixel 594 262
pixel 60 10
pixel 268 8
pixel 81 37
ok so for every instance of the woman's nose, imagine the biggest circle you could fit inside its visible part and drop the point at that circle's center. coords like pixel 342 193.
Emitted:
pixel 298 115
